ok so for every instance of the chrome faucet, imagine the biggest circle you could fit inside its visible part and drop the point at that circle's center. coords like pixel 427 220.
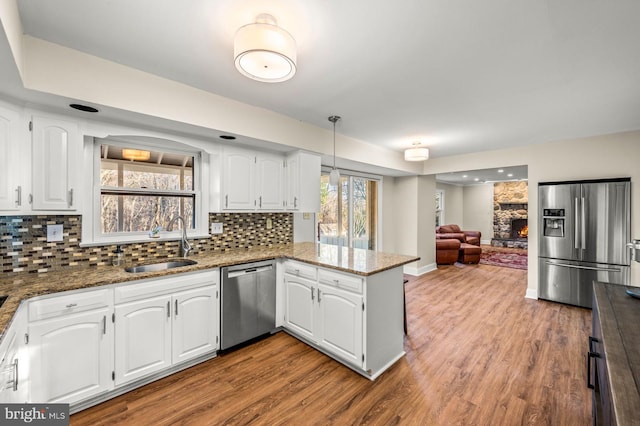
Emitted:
pixel 185 247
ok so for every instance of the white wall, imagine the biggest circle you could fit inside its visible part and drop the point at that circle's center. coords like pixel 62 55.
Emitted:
pixel 598 157
pixel 409 218
pixel 304 227
pixel 453 203
pixel 478 209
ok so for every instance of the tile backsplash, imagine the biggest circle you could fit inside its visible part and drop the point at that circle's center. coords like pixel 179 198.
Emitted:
pixel 24 246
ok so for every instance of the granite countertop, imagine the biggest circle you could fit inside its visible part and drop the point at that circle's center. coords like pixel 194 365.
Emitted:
pixel 20 287
pixel 619 316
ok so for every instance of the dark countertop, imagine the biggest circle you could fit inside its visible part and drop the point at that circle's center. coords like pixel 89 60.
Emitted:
pixel 620 322
pixel 20 287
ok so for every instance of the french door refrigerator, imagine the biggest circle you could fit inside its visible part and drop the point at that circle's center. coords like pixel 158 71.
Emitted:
pixel 584 228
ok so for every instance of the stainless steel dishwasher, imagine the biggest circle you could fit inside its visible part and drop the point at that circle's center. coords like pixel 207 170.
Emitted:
pixel 248 302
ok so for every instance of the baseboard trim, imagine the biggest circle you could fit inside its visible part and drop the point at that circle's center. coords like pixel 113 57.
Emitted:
pixel 485 242
pixel 532 293
pixel 416 272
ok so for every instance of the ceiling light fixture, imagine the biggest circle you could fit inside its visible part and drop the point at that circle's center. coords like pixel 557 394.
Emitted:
pixel 265 52
pixel 334 177
pixel 135 154
pixel 417 153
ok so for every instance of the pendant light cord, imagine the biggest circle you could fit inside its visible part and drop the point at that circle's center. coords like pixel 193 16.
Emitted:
pixel 334 119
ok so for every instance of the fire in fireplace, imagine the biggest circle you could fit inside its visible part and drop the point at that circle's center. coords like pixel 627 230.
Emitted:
pixel 519 228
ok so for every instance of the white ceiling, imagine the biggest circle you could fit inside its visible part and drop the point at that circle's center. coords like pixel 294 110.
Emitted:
pixel 478 177
pixel 462 76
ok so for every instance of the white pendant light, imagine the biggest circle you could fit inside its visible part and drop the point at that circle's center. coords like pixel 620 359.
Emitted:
pixel 417 153
pixel 265 52
pixel 334 177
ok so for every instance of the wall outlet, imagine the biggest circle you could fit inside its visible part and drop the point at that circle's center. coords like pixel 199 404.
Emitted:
pixel 216 228
pixel 269 223
pixel 54 233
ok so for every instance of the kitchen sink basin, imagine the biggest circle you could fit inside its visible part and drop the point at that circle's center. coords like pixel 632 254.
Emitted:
pixel 155 267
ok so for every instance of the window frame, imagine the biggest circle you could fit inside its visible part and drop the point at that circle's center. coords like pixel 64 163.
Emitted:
pixel 92 224
pixel 439 213
pixel 353 174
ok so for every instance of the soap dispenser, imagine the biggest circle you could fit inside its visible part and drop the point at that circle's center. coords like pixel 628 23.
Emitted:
pixel 118 257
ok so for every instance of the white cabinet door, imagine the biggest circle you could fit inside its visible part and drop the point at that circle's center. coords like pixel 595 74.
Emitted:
pixel 55 153
pixel 14 361
pixel 195 323
pixel 303 182
pixel 142 338
pixel 11 186
pixel 71 357
pixel 340 323
pixel 237 183
pixel 300 313
pixel 269 182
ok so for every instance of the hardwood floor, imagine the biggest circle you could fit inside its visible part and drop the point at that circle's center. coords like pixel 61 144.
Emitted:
pixel 478 353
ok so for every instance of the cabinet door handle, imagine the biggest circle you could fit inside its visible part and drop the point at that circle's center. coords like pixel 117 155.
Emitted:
pixel 104 324
pixel 72 305
pixel 169 309
pixel 176 307
pixel 19 196
pixel 71 197
pixel 319 298
pixel 312 289
pixel 590 355
pixel 226 201
pixel 260 198
pixel 295 202
pixel 15 375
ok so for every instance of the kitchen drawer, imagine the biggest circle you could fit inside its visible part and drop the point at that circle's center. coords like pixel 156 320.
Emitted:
pixel 337 279
pixel 55 306
pixel 141 289
pixel 301 270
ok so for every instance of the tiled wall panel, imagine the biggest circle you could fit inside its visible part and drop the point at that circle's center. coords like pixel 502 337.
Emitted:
pixel 24 246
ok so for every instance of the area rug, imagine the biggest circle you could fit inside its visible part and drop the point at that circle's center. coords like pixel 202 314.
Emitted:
pixel 509 258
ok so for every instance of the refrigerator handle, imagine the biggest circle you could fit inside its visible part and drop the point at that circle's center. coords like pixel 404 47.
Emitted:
pixel 584 226
pixel 576 224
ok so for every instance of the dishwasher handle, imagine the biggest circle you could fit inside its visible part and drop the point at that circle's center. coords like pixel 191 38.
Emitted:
pixel 249 271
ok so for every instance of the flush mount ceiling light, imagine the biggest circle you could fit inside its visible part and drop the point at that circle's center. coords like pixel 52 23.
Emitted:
pixel 334 177
pixel 265 52
pixel 417 153
pixel 135 154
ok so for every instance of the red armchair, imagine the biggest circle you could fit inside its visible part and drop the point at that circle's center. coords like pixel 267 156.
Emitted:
pixel 454 231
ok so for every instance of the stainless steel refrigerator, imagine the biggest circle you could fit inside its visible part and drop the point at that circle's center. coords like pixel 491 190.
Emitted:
pixel 584 228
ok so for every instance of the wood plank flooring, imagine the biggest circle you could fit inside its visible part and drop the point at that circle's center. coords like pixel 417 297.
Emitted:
pixel 478 353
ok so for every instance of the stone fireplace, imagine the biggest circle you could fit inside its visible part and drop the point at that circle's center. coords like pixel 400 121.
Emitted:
pixel 510 214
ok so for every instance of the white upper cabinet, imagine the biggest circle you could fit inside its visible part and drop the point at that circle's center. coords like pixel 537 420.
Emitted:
pixel 11 185
pixel 303 182
pixel 269 182
pixel 238 168
pixel 55 161
pixel 251 181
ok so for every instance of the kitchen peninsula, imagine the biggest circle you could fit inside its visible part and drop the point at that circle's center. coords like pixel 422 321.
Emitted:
pixel 361 285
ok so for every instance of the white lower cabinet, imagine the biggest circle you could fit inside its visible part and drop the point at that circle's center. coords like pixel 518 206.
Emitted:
pixel 163 327
pixel 14 361
pixel 325 315
pixel 299 306
pixel 195 323
pixel 356 320
pixel 143 338
pixel 71 356
pixel 340 323
pixel 80 347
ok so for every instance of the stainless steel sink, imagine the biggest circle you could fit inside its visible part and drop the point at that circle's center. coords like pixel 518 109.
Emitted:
pixel 155 267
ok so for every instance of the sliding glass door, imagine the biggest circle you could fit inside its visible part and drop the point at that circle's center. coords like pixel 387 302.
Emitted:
pixel 349 212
